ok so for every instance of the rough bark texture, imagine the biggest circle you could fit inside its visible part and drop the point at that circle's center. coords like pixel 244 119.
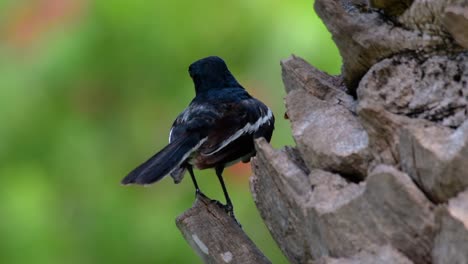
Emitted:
pixel 451 243
pixel 334 217
pixel 381 255
pixel 340 142
pixel 379 173
pixel 215 236
pixel 433 88
pixel 380 149
pixel 436 159
pixel 455 19
pixel 364 35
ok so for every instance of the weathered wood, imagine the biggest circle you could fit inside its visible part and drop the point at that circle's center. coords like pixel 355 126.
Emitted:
pixel 451 242
pixel 425 16
pixel 215 236
pixel 380 255
pixel 317 104
pixel 455 19
pixel 365 36
pixel 436 158
pixel 299 74
pixel 433 88
pixel 383 129
pixel 279 186
pixel 391 7
pixel 340 142
pixel 324 215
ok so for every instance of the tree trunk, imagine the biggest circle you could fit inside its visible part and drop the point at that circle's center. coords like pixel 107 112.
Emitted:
pixel 379 173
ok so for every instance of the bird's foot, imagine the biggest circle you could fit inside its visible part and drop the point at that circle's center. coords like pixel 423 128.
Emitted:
pixel 199 193
pixel 235 219
pixel 230 211
pixel 227 208
pixel 217 203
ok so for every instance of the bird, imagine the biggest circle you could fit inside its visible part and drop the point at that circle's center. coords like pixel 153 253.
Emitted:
pixel 216 130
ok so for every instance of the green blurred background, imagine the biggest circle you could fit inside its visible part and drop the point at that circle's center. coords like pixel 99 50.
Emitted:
pixel 89 89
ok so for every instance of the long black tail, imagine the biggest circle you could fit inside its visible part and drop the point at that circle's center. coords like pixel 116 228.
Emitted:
pixel 163 162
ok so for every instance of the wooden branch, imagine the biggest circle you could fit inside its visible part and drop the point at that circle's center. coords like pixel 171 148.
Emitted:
pixel 215 236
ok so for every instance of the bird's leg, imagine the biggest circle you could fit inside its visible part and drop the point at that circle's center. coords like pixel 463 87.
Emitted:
pixel 197 189
pixel 229 207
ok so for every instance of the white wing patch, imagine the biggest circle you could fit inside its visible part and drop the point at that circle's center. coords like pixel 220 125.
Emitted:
pixel 248 128
pixel 170 134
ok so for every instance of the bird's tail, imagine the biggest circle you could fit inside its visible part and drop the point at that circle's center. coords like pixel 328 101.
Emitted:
pixel 163 162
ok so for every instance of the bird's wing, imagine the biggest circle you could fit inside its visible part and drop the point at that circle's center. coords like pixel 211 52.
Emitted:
pixel 197 118
pixel 235 120
pixel 221 122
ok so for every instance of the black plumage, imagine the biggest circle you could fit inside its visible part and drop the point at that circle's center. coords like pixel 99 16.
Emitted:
pixel 217 129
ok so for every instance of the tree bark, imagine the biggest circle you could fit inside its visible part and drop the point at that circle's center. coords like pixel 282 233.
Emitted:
pixel 381 148
pixel 216 236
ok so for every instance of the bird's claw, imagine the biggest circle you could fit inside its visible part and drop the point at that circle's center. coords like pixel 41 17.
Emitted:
pixel 231 214
pixel 199 193
pixel 218 203
pixel 230 211
pixel 227 208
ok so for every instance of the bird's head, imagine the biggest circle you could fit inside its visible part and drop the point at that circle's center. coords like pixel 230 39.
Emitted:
pixel 211 73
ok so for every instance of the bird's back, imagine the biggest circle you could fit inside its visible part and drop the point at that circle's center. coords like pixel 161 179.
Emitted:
pixel 229 119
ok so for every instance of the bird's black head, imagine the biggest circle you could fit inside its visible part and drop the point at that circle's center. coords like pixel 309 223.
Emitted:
pixel 211 73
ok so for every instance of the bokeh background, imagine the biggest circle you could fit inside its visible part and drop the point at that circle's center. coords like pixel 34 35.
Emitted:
pixel 89 89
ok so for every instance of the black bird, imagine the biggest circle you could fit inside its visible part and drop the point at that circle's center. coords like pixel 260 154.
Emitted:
pixel 216 130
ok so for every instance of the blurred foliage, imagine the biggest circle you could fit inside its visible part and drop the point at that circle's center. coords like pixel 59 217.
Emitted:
pixel 89 89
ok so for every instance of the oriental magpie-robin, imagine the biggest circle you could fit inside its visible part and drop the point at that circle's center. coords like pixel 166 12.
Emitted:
pixel 216 130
